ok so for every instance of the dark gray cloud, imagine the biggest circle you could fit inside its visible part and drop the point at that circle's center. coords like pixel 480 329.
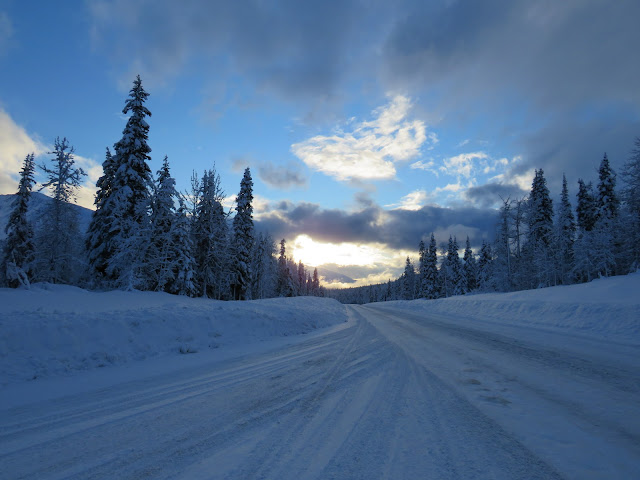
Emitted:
pixel 290 47
pixel 281 177
pixel 397 229
pixel 554 81
pixel 490 194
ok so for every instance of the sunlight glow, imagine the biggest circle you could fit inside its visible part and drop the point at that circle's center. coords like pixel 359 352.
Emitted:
pixel 313 253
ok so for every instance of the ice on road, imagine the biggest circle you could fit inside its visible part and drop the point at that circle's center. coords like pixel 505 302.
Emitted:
pixel 392 394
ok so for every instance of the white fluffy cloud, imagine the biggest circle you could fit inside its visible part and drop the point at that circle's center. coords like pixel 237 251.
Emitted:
pixel 462 165
pixel 15 145
pixel 370 151
pixel 411 201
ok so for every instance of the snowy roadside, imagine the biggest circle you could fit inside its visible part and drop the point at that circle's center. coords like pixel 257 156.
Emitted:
pixel 605 308
pixel 54 330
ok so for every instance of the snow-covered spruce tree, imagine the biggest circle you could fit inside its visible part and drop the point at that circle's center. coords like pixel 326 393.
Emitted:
pixel 587 214
pixel 631 196
pixel 302 279
pixel 421 281
pixel 485 281
pixel 408 281
pixel 606 241
pixel 315 284
pixel 211 239
pixel 537 252
pixel 564 238
pixel 58 247
pixel 452 278
pixel 183 282
pixel 285 285
pixel 162 252
pixel 19 248
pixel 243 239
pixel 586 208
pixel 502 271
pixel 131 196
pixel 470 268
pixel 432 290
pixel 263 266
pixel 98 243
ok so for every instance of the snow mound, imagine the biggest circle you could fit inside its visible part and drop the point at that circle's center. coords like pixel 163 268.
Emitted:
pixel 55 329
pixel 607 307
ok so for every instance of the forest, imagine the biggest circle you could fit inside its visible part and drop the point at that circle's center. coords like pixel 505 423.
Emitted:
pixel 145 235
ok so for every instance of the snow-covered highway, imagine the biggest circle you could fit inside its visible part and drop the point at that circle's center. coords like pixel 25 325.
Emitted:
pixel 390 394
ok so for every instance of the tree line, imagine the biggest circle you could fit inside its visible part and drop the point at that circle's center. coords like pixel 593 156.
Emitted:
pixel 535 246
pixel 143 233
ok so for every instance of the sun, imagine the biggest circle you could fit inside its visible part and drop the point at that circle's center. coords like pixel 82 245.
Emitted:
pixel 314 254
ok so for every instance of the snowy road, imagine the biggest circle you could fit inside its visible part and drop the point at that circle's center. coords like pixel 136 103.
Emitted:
pixel 391 395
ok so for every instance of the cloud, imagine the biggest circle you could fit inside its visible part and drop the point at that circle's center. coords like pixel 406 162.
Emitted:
pixel 398 229
pixel 371 149
pixel 411 201
pixel 282 177
pixel 15 145
pixel 462 165
pixel 291 48
pixel 491 194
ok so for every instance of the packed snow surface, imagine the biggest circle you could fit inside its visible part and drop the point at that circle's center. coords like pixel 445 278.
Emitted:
pixel 540 384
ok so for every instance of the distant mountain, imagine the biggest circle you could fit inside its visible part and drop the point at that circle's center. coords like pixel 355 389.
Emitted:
pixel 37 205
pixel 329 276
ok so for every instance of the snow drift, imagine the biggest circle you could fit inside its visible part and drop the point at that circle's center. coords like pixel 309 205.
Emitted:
pixel 55 329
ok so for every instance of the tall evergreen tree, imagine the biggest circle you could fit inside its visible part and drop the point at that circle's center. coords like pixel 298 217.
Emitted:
pixel 422 271
pixel 17 262
pixel 432 290
pixel 183 281
pixel 586 209
pixel 98 243
pixel 537 255
pixel 565 236
pixel 285 285
pixel 58 245
pixel 484 267
pixel 131 194
pixel 211 238
pixel 608 202
pixel 631 196
pixel 243 238
pixel 470 268
pixel 162 252
pixel 408 281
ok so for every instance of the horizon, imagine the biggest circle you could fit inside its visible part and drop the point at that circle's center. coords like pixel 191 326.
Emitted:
pixel 365 130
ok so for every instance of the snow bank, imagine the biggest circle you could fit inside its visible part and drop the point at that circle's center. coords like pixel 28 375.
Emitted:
pixel 607 307
pixel 54 329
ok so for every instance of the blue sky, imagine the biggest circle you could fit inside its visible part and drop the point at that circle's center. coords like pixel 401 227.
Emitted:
pixel 367 124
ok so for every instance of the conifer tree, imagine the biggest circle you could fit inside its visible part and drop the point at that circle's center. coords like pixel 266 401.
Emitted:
pixel 484 267
pixel 243 238
pixel 131 192
pixel 315 283
pixel 586 209
pixel 58 246
pixel 565 236
pixel 421 286
pixel 162 252
pixel 631 196
pixel 608 202
pixel 211 239
pixel 431 265
pixel 285 286
pixel 98 243
pixel 470 268
pixel 183 282
pixel 17 262
pixel 408 281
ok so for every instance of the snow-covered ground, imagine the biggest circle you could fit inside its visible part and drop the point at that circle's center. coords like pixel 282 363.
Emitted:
pixel 56 330
pixel 539 384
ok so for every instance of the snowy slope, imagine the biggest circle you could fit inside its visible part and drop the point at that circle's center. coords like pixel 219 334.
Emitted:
pixel 608 308
pixel 55 329
pixel 37 205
